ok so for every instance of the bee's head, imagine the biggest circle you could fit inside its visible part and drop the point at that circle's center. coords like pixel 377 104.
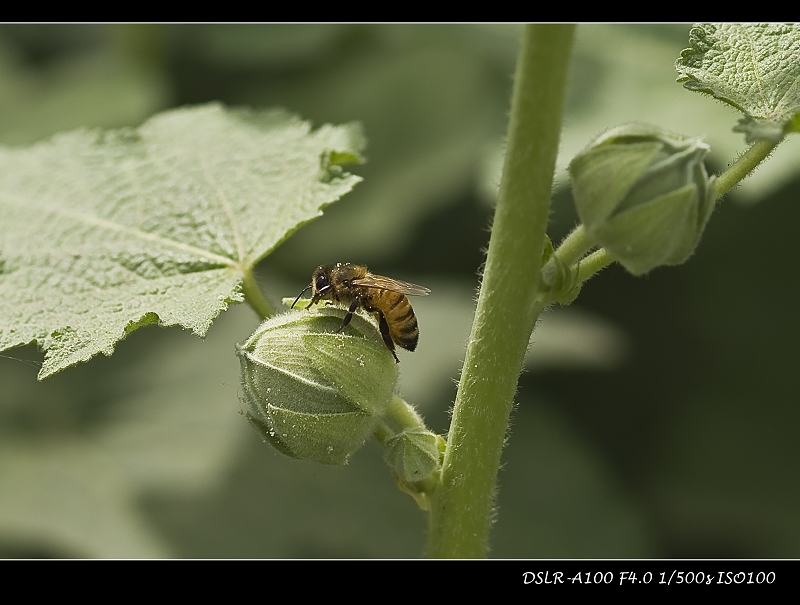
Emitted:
pixel 321 281
pixel 320 285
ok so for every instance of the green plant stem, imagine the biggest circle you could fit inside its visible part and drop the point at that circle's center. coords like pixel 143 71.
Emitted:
pixel 574 246
pixel 744 165
pixel 254 297
pixel 461 506
pixel 569 252
pixel 399 416
pixel 594 262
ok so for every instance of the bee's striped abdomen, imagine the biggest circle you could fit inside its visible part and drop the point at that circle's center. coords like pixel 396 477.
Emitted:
pixel 403 328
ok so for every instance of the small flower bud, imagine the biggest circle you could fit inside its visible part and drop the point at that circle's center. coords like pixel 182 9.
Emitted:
pixel 413 455
pixel 643 194
pixel 314 392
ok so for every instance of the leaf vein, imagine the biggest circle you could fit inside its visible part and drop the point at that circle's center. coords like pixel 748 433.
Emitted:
pixel 226 206
pixel 119 228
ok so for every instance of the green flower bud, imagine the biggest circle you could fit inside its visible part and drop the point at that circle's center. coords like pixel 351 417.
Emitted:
pixel 315 392
pixel 643 194
pixel 413 455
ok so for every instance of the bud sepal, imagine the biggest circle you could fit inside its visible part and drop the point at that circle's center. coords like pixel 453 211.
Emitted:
pixel 413 454
pixel 412 451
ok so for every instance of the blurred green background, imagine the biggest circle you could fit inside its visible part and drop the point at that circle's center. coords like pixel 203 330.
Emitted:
pixel 656 416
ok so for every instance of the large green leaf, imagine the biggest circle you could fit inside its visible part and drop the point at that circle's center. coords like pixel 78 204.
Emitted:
pixel 753 67
pixel 103 232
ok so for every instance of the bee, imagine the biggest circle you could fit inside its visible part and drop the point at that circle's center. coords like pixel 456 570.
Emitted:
pixel 355 286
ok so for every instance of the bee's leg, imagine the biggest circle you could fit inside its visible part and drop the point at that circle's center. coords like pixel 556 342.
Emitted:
pixel 384 325
pixel 353 308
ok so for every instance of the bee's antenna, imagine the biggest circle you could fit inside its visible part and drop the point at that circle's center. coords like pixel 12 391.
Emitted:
pixel 299 295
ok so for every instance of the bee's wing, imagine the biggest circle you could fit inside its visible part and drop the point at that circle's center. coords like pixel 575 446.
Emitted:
pixel 370 280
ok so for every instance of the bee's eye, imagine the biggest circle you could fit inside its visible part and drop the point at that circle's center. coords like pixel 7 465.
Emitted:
pixel 322 282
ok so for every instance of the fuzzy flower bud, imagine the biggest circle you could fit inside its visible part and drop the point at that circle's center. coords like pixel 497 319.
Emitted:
pixel 643 194
pixel 413 454
pixel 313 392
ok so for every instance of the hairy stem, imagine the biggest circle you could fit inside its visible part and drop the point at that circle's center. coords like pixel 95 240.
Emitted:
pixel 399 416
pixel 744 165
pixel 254 297
pixel 594 262
pixel 461 506
pixel 574 246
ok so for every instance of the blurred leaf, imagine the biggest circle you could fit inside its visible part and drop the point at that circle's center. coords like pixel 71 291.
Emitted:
pixel 444 319
pixel 752 67
pixel 69 499
pixel 572 339
pixel 160 424
pixel 283 47
pixel 430 98
pixel 106 232
pixel 100 88
pixel 177 430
